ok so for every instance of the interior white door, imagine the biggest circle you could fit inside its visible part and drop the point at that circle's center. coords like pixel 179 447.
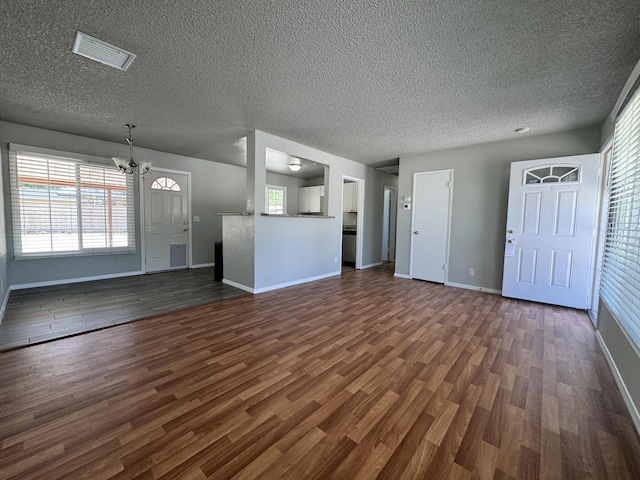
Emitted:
pixel 430 225
pixel 166 220
pixel 550 230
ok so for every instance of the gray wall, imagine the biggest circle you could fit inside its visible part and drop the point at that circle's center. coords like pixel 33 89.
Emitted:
pixel 624 355
pixel 215 187
pixel 291 250
pixel 480 191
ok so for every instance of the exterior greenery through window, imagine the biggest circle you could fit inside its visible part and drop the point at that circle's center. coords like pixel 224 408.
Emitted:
pixel 67 206
pixel 276 198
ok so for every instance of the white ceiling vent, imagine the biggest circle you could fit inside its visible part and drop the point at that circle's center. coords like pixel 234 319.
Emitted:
pixel 102 52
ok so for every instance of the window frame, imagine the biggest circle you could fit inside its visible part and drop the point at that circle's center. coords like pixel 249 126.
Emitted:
pixel 284 199
pixel 81 165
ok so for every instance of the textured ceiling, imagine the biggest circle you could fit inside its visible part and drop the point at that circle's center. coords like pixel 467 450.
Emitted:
pixel 367 80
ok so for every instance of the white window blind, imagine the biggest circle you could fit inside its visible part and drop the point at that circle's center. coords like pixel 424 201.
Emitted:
pixel 65 206
pixel 621 264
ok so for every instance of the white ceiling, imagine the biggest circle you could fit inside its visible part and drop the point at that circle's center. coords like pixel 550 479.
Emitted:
pixel 367 80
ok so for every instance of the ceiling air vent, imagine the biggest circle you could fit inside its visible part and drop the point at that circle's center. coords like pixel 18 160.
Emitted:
pixel 102 52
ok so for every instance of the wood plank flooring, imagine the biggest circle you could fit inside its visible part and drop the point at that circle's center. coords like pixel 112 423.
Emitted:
pixel 41 314
pixel 362 376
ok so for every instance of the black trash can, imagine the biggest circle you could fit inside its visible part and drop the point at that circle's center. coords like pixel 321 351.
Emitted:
pixel 217 258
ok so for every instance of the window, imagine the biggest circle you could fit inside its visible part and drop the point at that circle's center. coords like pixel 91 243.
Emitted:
pixel 621 263
pixel 552 174
pixel 276 199
pixel 65 206
pixel 165 183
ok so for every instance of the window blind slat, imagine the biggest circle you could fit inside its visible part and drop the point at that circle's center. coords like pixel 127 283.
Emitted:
pixel 67 206
pixel 620 283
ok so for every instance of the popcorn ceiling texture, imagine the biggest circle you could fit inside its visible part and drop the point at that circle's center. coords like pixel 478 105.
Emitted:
pixel 366 80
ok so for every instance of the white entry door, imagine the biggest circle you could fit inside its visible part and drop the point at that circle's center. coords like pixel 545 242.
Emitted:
pixel 550 230
pixel 166 220
pixel 430 225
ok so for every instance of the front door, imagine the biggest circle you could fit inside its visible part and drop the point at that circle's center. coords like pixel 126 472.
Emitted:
pixel 550 230
pixel 430 225
pixel 166 220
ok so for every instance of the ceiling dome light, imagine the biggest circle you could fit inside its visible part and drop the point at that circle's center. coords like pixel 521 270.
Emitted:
pixel 522 130
pixel 295 165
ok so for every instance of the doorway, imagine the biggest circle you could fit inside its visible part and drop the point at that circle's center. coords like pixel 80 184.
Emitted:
pixel 167 206
pixel 431 225
pixel 389 224
pixel 352 222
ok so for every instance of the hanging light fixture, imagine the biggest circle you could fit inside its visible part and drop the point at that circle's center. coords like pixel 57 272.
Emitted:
pixel 295 165
pixel 130 166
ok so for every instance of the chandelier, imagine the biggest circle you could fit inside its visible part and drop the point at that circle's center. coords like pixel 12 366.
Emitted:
pixel 130 166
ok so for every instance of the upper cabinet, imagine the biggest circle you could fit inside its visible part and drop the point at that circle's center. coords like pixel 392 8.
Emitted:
pixel 310 199
pixel 350 197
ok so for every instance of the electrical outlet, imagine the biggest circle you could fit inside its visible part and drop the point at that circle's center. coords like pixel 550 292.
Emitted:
pixel 335 259
pixel 472 272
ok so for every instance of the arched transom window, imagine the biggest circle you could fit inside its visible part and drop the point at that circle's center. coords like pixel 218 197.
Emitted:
pixel 552 174
pixel 165 183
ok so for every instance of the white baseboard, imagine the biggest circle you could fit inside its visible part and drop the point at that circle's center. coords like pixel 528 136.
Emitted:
pixel 296 282
pixel 4 304
pixel 626 396
pixel 65 281
pixel 237 285
pixel 371 265
pixel 279 285
pixel 203 265
pixel 402 275
pixel 473 287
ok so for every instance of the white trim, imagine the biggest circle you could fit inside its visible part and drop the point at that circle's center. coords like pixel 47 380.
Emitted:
pixel 360 220
pixel 66 281
pixel 377 264
pixel 402 275
pixel 143 237
pixel 413 210
pixel 600 231
pixel 473 287
pixel 296 282
pixel 4 303
pixel 238 285
pixel 203 265
pixel 279 285
pixel 626 396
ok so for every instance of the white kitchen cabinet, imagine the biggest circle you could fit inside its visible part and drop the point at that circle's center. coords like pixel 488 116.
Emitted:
pixel 310 199
pixel 350 197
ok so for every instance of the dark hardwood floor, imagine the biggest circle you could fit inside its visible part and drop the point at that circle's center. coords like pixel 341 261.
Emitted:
pixel 40 314
pixel 361 376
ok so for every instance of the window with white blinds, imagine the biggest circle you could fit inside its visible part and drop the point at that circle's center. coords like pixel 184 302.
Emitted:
pixel 621 264
pixel 68 206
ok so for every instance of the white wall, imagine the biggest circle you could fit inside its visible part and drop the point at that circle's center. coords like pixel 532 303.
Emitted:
pixel 480 191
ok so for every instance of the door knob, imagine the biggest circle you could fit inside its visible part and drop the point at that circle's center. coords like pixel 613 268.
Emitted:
pixel 415 232
pixel 510 240
pixel 186 229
